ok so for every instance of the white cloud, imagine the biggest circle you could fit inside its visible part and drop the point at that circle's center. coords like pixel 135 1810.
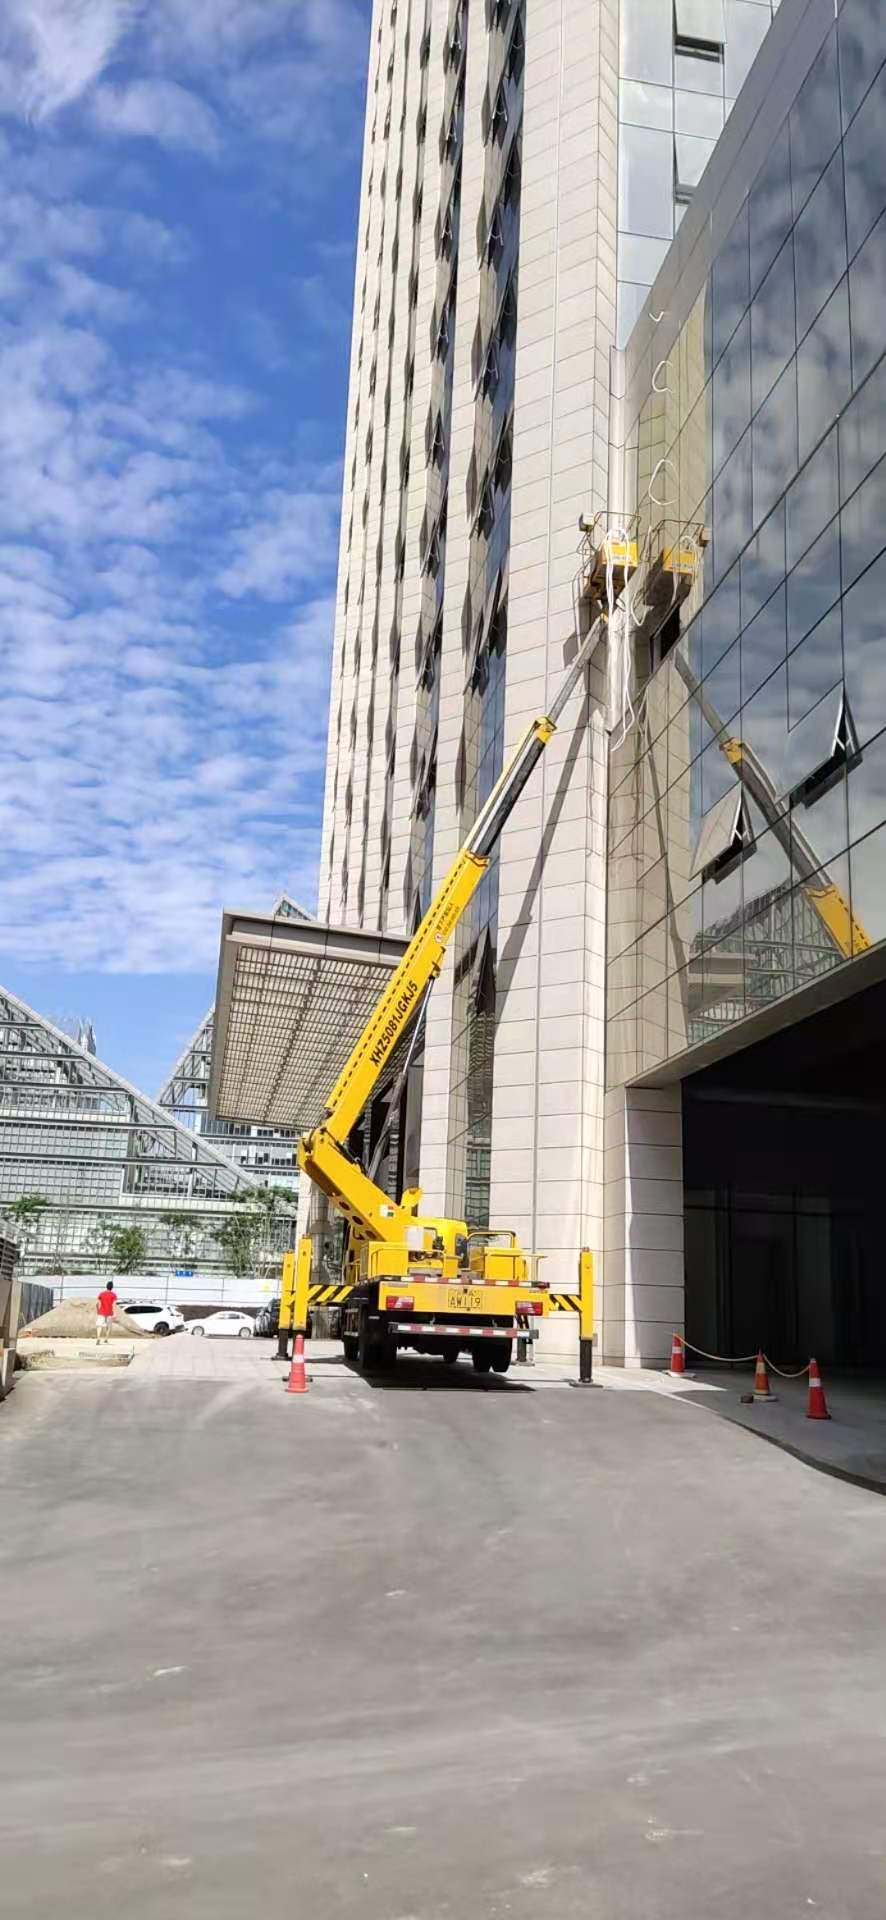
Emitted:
pixel 78 293
pixel 164 710
pixel 282 546
pixel 55 49
pixel 159 110
pixel 153 242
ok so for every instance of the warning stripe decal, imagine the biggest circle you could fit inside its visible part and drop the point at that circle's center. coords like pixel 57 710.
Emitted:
pixel 326 1296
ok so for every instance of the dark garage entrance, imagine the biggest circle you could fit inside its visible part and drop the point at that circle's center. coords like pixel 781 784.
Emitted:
pixel 785 1186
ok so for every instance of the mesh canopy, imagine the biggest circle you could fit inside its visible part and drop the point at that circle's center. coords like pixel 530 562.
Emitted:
pixel 292 1000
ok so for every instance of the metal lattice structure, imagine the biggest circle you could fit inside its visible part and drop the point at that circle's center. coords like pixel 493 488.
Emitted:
pixel 779 943
pixel 99 1151
pixel 268 1154
pixel 292 1003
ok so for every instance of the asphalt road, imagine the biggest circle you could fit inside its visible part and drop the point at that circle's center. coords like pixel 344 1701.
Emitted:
pixel 431 1656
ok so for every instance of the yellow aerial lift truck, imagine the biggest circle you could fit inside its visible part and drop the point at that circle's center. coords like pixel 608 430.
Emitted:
pixel 418 1282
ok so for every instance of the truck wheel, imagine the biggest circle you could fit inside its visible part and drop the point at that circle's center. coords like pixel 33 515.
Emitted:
pixel 482 1359
pixel 450 1355
pixel 501 1355
pixel 351 1346
pixel 387 1354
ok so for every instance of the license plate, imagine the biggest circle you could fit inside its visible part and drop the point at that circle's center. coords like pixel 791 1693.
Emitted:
pixel 464 1299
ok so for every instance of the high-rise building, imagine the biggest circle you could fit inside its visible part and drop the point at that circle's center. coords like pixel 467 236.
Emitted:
pixel 553 326
pixel 494 251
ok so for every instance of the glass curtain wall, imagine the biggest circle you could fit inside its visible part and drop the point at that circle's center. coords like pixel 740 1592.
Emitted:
pixel 748 814
pixel 484 618
pixel 681 65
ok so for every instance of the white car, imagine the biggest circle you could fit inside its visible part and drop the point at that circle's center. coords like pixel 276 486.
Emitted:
pixel 223 1326
pixel 153 1318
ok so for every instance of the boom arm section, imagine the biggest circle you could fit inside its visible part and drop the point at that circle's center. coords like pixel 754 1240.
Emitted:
pixel 824 896
pixel 321 1153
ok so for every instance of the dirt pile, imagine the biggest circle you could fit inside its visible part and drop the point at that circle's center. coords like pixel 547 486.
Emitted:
pixel 75 1320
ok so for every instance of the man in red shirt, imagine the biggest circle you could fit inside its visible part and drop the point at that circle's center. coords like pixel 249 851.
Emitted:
pixel 104 1313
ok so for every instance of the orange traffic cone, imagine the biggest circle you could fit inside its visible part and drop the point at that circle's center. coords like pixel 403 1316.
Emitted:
pixel 678 1358
pixel 298 1379
pixel 761 1380
pixel 816 1405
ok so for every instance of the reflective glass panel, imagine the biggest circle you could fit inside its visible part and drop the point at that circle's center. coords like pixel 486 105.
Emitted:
pixel 731 283
pixel 763 645
pixel 772 325
pixel 775 443
pixel 867 865
pixel 815 666
pixel 867 302
pixel 732 394
pixel 823 370
pixel 762 565
pixel 864 151
pixel 646 28
pixel 814 584
pixel 691 156
pixel 864 647
pixel 863 432
pixel 720 621
pixel 815 123
pixel 645 186
pixel 813 499
pixel 746 28
pixel 867 791
pixel 722 686
pixel 697 75
pixel 764 726
pixel 820 245
pixel 863 525
pixel 732 504
pixel 698 113
pixel 642 105
pixel 770 208
pixel 860 47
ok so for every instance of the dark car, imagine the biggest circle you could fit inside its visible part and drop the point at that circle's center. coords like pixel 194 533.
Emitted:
pixel 267 1320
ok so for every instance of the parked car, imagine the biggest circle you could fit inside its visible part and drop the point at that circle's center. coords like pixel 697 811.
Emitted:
pixel 267 1320
pixel 225 1325
pixel 153 1318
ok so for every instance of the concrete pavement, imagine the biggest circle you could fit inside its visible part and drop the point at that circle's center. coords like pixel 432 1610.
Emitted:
pixel 419 1655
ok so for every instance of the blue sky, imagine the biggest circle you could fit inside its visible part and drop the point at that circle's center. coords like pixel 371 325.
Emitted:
pixel 177 230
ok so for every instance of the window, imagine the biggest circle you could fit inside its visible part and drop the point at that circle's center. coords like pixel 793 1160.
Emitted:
pixel 436 438
pixel 645 182
pixel 498 119
pixel 699 27
pixel 516 51
pixel 691 156
pixel 843 750
pixel 726 838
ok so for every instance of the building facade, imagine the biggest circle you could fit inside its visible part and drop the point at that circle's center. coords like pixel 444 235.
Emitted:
pixel 538 178
pixel 747 807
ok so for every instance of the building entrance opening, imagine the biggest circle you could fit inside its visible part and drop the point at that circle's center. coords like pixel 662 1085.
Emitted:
pixel 784 1168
